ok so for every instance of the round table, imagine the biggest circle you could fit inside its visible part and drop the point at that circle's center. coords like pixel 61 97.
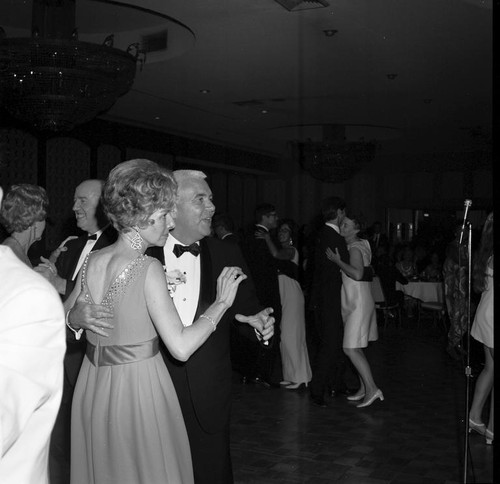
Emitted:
pixel 423 290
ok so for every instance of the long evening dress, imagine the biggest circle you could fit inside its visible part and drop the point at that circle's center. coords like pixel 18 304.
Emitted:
pixel 127 426
pixel 358 307
pixel 294 355
pixel 482 328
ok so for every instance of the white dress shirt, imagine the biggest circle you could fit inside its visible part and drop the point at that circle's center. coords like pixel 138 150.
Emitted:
pixel 187 294
pixel 333 226
pixel 85 252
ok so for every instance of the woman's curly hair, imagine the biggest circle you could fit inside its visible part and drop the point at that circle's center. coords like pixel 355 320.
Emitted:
pixel 134 190
pixel 483 255
pixel 23 205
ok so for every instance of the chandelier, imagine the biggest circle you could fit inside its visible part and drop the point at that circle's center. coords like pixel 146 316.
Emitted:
pixel 334 159
pixel 57 83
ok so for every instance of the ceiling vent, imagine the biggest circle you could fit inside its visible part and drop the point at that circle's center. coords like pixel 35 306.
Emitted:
pixel 294 5
pixel 155 42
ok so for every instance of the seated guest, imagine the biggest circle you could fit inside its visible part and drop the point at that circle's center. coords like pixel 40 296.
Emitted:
pixel 406 265
pixel 434 271
pixel 420 258
pixel 389 275
pixel 23 214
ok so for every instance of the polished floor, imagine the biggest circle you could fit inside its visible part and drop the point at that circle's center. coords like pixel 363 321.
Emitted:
pixel 416 435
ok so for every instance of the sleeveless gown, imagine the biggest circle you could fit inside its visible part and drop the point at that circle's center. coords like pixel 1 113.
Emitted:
pixel 294 355
pixel 482 328
pixel 358 307
pixel 127 426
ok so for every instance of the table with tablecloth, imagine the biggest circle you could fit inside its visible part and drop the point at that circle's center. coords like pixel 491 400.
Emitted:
pixel 423 290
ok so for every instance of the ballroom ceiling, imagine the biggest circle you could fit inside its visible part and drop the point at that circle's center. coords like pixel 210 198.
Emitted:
pixel 414 75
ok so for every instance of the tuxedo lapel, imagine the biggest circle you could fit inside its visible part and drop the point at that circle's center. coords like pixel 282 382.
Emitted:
pixel 76 250
pixel 206 286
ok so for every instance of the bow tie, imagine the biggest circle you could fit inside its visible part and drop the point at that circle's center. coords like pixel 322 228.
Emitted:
pixel 92 237
pixel 180 249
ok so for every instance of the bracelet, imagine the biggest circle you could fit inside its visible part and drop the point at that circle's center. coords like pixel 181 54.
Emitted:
pixel 214 324
pixel 77 333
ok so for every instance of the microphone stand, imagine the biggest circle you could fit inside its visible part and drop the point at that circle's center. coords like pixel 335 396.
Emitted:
pixel 468 372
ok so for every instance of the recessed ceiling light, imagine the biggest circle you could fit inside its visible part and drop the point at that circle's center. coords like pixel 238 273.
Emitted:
pixel 330 32
pixel 205 91
pixel 264 111
pixel 157 117
pixel 427 101
pixel 392 76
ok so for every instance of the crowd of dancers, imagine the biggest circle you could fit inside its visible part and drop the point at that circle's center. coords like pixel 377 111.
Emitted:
pixel 151 309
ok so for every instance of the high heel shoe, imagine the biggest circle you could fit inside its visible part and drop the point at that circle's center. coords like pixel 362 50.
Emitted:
pixel 296 386
pixel 377 394
pixel 356 398
pixel 489 436
pixel 480 428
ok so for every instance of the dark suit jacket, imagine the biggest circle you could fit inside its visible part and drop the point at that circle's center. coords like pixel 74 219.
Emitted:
pixel 264 269
pixel 327 279
pixel 208 370
pixel 66 264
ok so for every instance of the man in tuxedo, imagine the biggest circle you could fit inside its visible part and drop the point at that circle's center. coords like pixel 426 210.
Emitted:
pixel 98 233
pixel 326 290
pixel 32 345
pixel 264 367
pixel 223 227
pixel 203 383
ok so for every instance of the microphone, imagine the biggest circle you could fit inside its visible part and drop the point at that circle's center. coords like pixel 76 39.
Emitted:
pixel 467 204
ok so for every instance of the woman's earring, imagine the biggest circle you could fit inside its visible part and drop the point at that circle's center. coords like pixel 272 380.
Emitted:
pixel 136 241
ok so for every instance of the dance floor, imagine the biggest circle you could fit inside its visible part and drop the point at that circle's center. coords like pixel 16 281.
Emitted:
pixel 416 435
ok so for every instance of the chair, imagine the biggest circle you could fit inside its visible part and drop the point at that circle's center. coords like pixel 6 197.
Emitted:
pixel 381 303
pixel 436 309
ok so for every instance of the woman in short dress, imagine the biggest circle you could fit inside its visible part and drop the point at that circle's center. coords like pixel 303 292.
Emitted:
pixel 358 310
pixel 482 331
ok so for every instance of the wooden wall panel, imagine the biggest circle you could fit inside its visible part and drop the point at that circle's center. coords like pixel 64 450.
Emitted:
pixel 108 156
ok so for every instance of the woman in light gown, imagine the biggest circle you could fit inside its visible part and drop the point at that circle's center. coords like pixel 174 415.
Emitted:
pixel 482 331
pixel 294 355
pixel 358 310
pixel 127 426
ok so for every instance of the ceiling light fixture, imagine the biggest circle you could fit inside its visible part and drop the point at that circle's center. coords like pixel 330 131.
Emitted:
pixel 205 91
pixel 392 76
pixel 294 5
pixel 330 32
pixel 52 80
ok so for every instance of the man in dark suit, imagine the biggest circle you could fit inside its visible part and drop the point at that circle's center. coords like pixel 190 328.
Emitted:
pixel 326 290
pixel 98 233
pixel 266 365
pixel 203 383
pixel 223 227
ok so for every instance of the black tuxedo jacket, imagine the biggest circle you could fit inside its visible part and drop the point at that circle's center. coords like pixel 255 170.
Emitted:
pixel 66 264
pixel 264 269
pixel 327 278
pixel 67 261
pixel 208 371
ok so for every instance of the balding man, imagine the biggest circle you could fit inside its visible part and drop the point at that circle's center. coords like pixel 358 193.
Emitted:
pixel 98 234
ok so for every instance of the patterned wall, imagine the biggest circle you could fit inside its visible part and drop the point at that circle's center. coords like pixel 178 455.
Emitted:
pixel 67 164
pixel 108 156
pixel 18 158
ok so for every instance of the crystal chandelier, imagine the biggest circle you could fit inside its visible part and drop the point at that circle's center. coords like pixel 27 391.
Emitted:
pixel 52 80
pixel 334 159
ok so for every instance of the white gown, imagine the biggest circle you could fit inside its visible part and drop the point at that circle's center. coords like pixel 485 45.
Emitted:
pixel 358 307
pixel 294 355
pixel 482 328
